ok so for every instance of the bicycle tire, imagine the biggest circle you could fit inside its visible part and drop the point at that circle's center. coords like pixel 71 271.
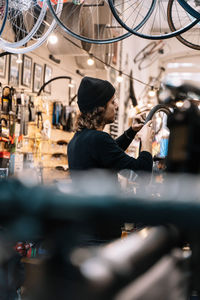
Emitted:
pixel 150 55
pixel 157 108
pixel 5 13
pixel 150 36
pixel 94 40
pixel 145 64
pixel 193 12
pixel 39 41
pixel 29 35
pixel 182 39
pixel 151 45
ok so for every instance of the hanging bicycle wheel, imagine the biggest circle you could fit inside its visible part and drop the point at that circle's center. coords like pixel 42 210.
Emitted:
pixel 158 115
pixel 100 15
pixel 149 54
pixel 27 27
pixel 155 28
pixel 190 38
pixel 3 14
pixel 193 7
pixel 24 18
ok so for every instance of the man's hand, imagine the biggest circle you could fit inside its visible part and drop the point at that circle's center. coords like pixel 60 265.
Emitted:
pixel 138 121
pixel 146 135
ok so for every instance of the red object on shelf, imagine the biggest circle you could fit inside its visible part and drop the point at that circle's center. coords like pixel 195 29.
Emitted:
pixel 5 154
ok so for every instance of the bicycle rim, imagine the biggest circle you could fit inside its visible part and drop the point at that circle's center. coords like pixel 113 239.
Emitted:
pixel 24 19
pixel 147 49
pixel 148 61
pixel 191 8
pixel 153 28
pixel 39 36
pixel 191 38
pixel 98 15
pixel 3 15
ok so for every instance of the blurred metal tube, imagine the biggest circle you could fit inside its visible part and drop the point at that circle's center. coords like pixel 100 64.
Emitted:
pixel 120 262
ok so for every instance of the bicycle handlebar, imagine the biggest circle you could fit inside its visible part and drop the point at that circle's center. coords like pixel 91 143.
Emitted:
pixel 133 255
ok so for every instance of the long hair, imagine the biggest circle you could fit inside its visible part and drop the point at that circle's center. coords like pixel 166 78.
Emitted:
pixel 91 120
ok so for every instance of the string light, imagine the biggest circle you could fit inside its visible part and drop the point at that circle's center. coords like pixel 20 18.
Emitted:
pixel 90 60
pixel 119 77
pixel 179 103
pixel 152 92
pixel 19 59
pixel 71 84
pixel 108 65
pixel 53 39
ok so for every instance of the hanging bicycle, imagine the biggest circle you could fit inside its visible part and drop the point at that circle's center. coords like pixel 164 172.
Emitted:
pixel 149 54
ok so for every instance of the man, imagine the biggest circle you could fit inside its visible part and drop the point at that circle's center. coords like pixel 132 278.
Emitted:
pixel 91 148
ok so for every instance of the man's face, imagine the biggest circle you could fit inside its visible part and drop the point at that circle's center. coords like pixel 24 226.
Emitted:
pixel 110 112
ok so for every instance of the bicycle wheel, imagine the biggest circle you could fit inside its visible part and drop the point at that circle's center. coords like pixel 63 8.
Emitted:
pixel 145 51
pixel 33 24
pixel 97 12
pixel 24 18
pixel 191 38
pixel 149 54
pixel 158 115
pixel 155 28
pixel 192 7
pixel 149 60
pixel 3 14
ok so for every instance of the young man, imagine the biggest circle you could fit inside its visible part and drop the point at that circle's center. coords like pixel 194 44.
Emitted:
pixel 91 147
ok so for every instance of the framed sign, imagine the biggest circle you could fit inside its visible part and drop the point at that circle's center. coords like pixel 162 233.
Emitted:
pixel 13 76
pixel 3 63
pixel 47 77
pixel 26 71
pixel 37 77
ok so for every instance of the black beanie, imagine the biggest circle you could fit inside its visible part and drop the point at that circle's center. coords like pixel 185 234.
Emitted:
pixel 94 92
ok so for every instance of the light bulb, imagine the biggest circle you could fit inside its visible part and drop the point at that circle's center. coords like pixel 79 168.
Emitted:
pixel 119 77
pixel 19 59
pixel 179 103
pixel 152 92
pixel 71 85
pixel 53 39
pixel 90 61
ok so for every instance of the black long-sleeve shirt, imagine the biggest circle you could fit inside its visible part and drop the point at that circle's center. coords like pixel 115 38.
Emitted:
pixel 93 149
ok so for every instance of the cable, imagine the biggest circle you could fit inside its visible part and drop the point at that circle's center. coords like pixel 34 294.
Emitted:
pixel 100 60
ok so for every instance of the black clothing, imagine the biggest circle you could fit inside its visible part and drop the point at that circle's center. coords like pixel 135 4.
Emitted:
pixel 93 149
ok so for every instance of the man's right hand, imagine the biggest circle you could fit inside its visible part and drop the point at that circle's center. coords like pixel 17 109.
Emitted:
pixel 146 135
